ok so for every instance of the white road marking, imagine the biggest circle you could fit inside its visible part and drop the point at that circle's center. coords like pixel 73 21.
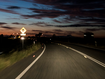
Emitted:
pixel 86 56
pixel 24 71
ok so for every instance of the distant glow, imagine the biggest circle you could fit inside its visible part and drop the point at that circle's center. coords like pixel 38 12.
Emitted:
pixel 14 37
pixel 18 36
pixel 34 42
pixel 95 41
pixel 22 38
pixel 84 35
pixel 92 35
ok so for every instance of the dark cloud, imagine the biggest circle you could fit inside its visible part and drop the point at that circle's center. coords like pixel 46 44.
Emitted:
pixel 99 20
pixel 66 26
pixel 41 24
pixel 94 29
pixel 55 31
pixel 8 27
pixel 72 8
pixel 68 19
pixel 52 2
pixel 49 25
pixel 42 10
pixel 13 7
pixel 80 25
pixel 57 21
pixel 42 13
pixel 38 23
pixel 58 30
pixel 38 31
pixel 8 11
pixel 14 18
pixel 41 31
pixel 45 13
pixel 18 23
pixel 2 23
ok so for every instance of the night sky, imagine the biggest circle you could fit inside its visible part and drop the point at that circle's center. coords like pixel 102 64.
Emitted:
pixel 60 17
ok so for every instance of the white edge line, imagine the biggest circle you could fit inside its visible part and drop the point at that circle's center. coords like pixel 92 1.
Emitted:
pixel 25 70
pixel 89 57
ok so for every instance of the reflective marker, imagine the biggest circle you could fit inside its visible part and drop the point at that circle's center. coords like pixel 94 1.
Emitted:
pixel 33 55
pixel 85 56
pixel 24 71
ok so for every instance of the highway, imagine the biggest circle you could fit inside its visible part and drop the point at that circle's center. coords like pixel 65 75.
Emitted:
pixel 58 62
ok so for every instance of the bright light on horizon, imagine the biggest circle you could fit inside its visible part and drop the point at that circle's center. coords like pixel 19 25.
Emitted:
pixel 22 38
pixel 23 30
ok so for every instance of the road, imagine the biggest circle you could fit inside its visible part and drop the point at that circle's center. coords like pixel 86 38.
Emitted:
pixel 57 62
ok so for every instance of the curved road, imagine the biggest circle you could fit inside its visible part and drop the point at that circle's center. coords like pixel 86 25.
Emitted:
pixel 58 62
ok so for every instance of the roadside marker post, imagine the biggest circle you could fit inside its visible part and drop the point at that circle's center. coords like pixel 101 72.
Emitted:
pixel 23 34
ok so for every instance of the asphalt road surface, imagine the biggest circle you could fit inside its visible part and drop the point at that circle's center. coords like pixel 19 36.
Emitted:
pixel 57 62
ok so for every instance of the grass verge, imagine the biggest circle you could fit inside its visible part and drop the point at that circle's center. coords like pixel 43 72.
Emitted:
pixel 9 59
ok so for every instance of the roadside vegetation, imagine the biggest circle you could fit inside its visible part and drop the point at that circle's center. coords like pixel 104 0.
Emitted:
pixel 15 55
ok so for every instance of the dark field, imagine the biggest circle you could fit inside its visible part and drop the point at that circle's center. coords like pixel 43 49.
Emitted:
pixel 7 45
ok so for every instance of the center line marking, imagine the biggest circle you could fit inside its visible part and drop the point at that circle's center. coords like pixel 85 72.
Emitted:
pixel 25 70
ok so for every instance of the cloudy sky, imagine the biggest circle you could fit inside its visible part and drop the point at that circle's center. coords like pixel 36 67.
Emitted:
pixel 60 17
